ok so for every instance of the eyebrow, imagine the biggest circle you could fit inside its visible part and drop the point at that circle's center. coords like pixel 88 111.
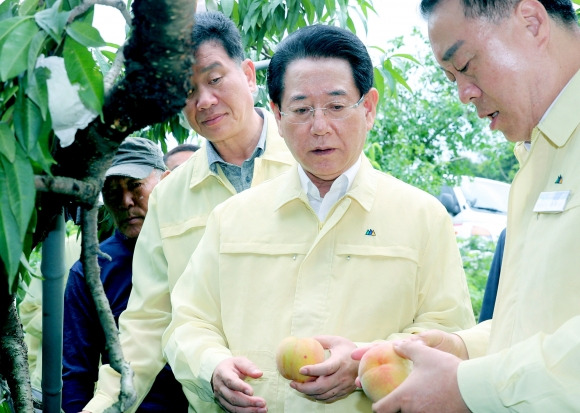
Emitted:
pixel 210 67
pixel 451 51
pixel 332 93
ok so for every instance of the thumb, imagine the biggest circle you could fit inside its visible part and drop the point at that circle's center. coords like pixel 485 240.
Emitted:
pixel 359 352
pixel 410 349
pixel 246 368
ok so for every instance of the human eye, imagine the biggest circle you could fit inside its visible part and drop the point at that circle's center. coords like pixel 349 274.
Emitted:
pixel 300 110
pixel 215 80
pixel 335 107
pixel 449 75
pixel 464 68
pixel 135 185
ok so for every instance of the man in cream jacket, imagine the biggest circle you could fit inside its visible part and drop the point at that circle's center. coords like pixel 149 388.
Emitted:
pixel 332 249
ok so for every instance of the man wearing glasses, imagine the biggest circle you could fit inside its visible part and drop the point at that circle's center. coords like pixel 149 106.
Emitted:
pixel 331 248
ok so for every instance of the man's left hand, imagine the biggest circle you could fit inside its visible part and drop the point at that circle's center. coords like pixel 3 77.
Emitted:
pixel 431 386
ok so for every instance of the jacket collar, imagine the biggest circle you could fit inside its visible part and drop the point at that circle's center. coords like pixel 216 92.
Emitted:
pixel 564 116
pixel 276 151
pixel 363 189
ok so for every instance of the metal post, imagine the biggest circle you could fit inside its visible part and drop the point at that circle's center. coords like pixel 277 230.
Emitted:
pixel 53 271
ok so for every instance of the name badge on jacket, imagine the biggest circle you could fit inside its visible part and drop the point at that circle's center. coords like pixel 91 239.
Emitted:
pixel 552 202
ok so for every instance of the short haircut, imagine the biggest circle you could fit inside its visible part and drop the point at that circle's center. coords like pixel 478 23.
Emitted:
pixel 184 147
pixel 214 26
pixel 320 41
pixel 495 10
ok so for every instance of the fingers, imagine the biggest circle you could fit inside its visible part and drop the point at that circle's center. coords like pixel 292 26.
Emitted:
pixel 359 352
pixel 230 389
pixel 450 343
pixel 234 401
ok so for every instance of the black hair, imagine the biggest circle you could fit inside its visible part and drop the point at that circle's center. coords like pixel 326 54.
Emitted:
pixel 560 10
pixel 214 26
pixel 184 147
pixel 320 41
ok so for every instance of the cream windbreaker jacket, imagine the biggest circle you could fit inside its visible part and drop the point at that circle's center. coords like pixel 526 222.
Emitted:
pixel 178 210
pixel 534 347
pixel 384 262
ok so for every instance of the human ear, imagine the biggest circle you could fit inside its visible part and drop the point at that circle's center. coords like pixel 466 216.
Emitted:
pixel 535 18
pixel 370 104
pixel 277 115
pixel 250 72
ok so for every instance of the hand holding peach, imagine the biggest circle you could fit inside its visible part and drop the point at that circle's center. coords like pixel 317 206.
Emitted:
pixel 381 370
pixel 294 353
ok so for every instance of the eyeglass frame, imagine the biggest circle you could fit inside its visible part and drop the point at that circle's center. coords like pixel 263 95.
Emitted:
pixel 313 109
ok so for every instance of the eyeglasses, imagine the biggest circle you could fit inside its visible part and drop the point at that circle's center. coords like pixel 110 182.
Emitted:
pixel 333 110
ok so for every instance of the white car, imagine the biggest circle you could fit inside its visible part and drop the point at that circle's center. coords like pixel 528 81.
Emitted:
pixel 478 206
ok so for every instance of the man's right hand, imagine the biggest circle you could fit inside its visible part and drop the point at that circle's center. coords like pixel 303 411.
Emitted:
pixel 230 389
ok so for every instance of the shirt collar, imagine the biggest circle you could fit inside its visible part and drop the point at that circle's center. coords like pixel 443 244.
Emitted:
pixel 342 183
pixel 214 157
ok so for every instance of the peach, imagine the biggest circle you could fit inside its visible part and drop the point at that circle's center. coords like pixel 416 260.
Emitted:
pixel 295 352
pixel 381 370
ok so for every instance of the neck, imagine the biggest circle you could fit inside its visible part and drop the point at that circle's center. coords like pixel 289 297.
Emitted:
pixel 240 147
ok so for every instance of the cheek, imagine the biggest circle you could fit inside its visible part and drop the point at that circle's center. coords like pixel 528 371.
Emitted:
pixel 189 111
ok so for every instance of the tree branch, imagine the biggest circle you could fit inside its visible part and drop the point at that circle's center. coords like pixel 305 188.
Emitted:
pixel 93 279
pixel 15 362
pixel 84 192
pixel 87 4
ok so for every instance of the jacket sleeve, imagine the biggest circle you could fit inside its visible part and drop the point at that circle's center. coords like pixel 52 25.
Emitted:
pixel 194 343
pixel 539 374
pixel 142 324
pixel 81 343
pixel 443 300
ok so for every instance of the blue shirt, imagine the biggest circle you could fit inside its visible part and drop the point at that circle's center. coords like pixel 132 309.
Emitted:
pixel 84 340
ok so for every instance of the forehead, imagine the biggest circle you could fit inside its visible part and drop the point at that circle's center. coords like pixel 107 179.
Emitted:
pixel 450 31
pixel 210 54
pixel 312 77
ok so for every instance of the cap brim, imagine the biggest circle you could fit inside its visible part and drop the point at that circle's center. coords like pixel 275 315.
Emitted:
pixel 130 170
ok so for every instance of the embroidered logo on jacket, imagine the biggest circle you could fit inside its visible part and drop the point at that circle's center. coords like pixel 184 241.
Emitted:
pixel 559 179
pixel 371 232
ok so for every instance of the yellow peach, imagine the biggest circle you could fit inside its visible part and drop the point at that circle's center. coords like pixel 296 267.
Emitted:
pixel 295 352
pixel 381 370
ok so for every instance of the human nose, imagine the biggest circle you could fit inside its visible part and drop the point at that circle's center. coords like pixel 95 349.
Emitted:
pixel 127 199
pixel 319 124
pixel 205 99
pixel 467 90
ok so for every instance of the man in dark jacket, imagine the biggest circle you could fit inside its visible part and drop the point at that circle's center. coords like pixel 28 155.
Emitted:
pixel 136 169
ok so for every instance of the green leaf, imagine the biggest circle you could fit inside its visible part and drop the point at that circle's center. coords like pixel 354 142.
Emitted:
pixel 7 142
pixel 6 26
pixel 27 7
pixel 14 51
pixel 227 7
pixel 16 205
pixel 35 49
pixel 37 89
pixel 82 70
pixel 85 34
pixel 28 122
pixel 53 21
pixel 5 10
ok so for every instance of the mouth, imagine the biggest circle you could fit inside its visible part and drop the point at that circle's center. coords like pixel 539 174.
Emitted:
pixel 322 151
pixel 493 117
pixel 133 220
pixel 212 120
